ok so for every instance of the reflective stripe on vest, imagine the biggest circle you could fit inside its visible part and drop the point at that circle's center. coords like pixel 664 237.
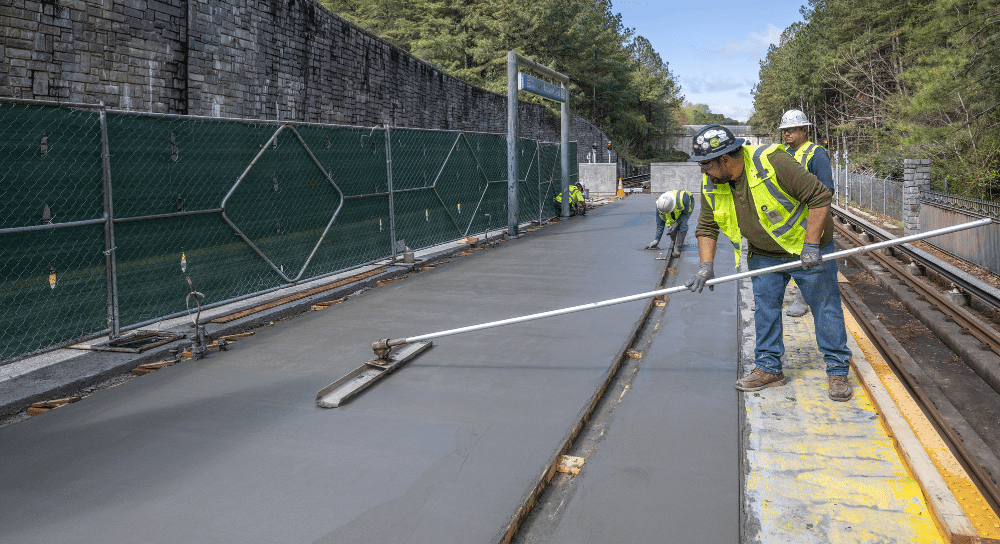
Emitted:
pixel 783 217
pixel 804 153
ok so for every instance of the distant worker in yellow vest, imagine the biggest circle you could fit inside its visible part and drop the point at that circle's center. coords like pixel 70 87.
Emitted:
pixel 760 193
pixel 673 209
pixel 577 204
pixel 794 129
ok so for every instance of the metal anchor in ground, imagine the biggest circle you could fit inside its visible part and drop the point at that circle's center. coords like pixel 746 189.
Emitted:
pixel 200 346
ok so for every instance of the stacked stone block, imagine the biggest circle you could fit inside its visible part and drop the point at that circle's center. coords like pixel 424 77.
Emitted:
pixel 258 59
pixel 916 179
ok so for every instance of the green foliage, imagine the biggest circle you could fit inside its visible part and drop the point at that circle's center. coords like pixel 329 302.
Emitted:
pixel 700 114
pixel 617 80
pixel 888 81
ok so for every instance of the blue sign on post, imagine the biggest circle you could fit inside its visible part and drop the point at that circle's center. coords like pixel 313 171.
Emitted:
pixel 533 85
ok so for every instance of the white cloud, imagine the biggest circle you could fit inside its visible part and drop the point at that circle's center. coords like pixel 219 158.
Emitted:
pixel 712 84
pixel 755 43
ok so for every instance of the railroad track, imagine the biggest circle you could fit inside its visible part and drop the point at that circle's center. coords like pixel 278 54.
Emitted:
pixel 975 446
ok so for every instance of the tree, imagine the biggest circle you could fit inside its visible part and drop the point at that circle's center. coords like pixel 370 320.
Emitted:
pixel 617 80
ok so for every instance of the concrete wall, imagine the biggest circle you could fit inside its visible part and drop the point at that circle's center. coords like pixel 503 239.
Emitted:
pixel 599 178
pixel 667 176
pixel 256 59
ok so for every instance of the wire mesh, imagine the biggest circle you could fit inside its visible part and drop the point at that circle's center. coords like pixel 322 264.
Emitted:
pixel 52 269
pixel 240 207
pixel 869 191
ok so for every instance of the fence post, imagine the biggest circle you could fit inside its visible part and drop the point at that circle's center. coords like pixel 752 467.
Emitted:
pixel 916 178
pixel 392 208
pixel 110 260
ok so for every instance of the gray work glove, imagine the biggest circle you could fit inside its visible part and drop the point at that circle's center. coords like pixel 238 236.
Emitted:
pixel 653 244
pixel 697 282
pixel 810 256
pixel 673 229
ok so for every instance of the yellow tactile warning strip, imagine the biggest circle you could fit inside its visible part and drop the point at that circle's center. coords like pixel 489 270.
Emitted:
pixel 976 518
pixel 825 471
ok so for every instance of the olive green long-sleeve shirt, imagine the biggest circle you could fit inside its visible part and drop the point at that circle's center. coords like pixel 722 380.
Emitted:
pixel 795 180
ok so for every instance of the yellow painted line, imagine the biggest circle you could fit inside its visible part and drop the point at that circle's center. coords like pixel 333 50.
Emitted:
pixel 825 471
pixel 961 507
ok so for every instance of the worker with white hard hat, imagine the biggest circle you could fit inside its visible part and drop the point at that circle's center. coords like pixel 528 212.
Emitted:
pixel 794 129
pixel 673 209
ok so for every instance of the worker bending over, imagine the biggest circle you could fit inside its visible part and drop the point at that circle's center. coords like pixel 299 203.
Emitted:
pixel 673 209
pixel 577 205
pixel 794 129
pixel 760 193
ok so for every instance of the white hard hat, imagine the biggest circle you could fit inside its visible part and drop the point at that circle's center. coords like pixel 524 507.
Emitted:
pixel 793 118
pixel 665 203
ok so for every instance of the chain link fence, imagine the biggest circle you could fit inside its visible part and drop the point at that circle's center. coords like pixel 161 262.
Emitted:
pixel 105 213
pixel 869 191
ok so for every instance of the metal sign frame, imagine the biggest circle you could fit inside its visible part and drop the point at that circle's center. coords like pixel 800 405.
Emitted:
pixel 513 61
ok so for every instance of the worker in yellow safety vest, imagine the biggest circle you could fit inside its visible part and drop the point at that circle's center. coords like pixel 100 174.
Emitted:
pixel 794 129
pixel 760 193
pixel 673 209
pixel 577 204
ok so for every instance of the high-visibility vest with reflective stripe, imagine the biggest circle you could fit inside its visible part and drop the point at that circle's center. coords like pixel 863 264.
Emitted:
pixel 804 153
pixel 783 217
pixel 679 208
pixel 575 195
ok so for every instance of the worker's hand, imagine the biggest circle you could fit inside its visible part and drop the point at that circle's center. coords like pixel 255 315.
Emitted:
pixel 653 244
pixel 810 256
pixel 697 282
pixel 672 230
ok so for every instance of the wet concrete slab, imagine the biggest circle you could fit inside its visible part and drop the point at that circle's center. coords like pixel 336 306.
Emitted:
pixel 667 469
pixel 232 448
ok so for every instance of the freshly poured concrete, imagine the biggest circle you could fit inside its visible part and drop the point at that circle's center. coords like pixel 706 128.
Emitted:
pixel 667 469
pixel 232 448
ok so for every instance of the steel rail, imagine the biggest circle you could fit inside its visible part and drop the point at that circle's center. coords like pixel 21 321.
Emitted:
pixel 981 331
pixel 960 282
pixel 877 335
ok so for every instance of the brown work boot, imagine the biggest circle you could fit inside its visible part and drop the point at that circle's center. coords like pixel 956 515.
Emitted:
pixel 757 379
pixel 839 388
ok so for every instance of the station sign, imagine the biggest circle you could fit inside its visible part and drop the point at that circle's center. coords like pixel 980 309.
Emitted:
pixel 533 85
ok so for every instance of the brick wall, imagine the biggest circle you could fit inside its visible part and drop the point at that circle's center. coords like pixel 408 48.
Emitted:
pixel 270 59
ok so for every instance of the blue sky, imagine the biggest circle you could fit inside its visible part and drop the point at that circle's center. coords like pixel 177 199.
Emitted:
pixel 714 48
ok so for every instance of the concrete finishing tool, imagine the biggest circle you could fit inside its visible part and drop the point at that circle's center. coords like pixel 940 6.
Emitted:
pixel 391 354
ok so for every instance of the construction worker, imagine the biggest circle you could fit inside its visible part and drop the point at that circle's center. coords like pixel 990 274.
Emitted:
pixel 794 129
pixel 673 209
pixel 760 193
pixel 577 204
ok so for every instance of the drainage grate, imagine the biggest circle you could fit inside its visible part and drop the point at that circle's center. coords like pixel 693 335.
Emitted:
pixel 136 342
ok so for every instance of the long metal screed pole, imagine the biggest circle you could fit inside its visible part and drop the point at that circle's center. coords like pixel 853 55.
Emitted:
pixel 382 347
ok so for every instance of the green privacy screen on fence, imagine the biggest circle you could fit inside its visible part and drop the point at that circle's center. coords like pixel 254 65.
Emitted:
pixel 240 207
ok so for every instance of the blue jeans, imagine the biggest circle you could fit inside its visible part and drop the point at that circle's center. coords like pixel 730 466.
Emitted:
pixel 822 294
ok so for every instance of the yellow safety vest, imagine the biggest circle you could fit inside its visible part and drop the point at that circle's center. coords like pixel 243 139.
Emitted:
pixel 783 217
pixel 804 153
pixel 575 195
pixel 678 208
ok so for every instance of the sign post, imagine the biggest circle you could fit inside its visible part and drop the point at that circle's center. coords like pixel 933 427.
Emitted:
pixel 521 81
